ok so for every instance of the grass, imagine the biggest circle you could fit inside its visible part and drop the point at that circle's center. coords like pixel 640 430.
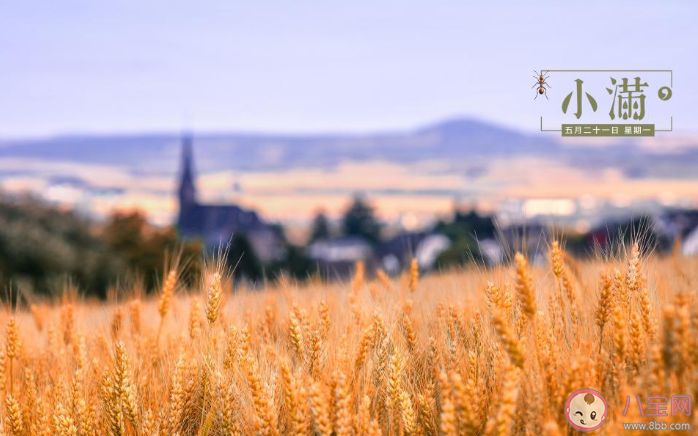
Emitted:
pixel 481 351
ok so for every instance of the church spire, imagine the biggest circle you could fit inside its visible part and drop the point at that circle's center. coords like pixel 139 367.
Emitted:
pixel 187 189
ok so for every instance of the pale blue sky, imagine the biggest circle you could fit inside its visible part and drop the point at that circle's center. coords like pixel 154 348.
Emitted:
pixel 305 66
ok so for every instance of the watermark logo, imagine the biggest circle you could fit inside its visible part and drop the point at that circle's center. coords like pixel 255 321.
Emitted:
pixel 608 102
pixel 586 410
pixel 657 405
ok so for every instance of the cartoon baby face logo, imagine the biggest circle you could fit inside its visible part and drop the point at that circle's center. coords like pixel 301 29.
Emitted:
pixel 586 410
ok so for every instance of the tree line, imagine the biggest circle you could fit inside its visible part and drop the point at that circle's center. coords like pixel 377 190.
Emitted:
pixel 44 249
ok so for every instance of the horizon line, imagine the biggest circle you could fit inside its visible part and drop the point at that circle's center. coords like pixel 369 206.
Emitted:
pixel 259 132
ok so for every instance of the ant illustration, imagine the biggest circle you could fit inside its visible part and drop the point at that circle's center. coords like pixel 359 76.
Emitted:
pixel 541 83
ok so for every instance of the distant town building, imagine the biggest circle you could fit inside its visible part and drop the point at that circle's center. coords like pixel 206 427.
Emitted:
pixel 680 225
pixel 215 224
pixel 396 253
pixel 337 256
pixel 532 239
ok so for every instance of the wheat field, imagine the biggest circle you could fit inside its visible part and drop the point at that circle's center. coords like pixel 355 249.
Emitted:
pixel 491 351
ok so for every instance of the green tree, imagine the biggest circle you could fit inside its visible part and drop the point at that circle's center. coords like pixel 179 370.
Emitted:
pixel 464 231
pixel 299 266
pixel 320 228
pixel 144 247
pixel 359 220
pixel 41 248
pixel 243 259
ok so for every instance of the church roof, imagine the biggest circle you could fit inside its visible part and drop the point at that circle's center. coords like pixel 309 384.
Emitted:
pixel 216 223
pixel 200 220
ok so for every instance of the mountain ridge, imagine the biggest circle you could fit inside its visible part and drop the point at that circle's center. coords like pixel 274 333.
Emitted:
pixel 454 139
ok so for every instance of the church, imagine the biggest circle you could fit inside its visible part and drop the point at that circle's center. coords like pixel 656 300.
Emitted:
pixel 215 224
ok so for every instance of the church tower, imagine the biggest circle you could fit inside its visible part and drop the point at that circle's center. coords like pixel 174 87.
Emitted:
pixel 187 189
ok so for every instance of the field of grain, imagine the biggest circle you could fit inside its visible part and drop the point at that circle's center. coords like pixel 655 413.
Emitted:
pixel 481 351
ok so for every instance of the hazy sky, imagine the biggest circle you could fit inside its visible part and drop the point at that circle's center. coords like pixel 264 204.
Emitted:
pixel 132 65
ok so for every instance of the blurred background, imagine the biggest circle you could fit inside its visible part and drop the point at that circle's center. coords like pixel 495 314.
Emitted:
pixel 311 135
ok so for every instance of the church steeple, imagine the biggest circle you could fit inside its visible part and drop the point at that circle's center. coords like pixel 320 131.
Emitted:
pixel 187 189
